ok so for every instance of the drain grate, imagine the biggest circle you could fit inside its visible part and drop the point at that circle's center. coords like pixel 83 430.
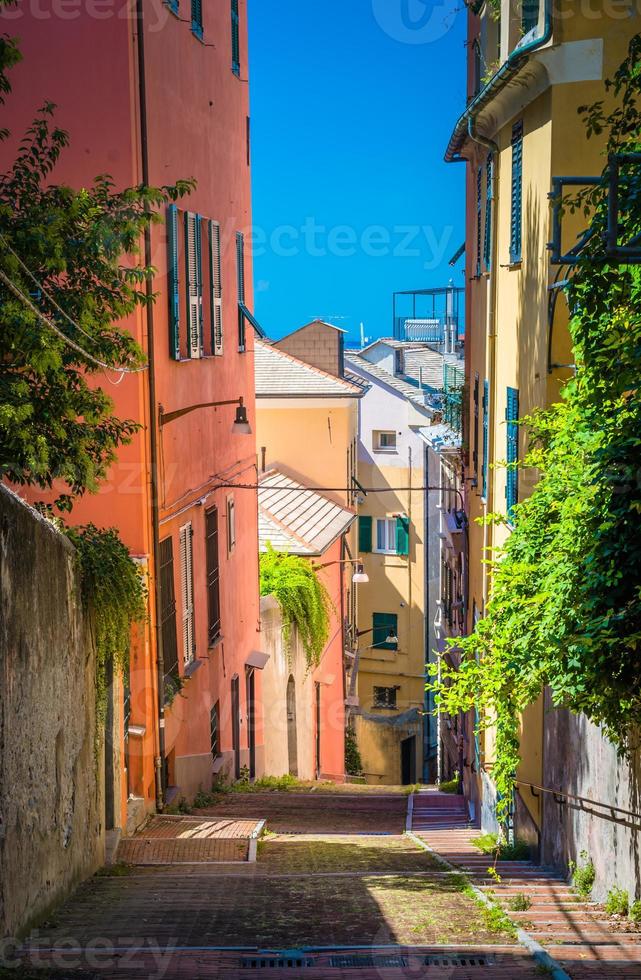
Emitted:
pixel 459 959
pixel 276 962
pixel 347 962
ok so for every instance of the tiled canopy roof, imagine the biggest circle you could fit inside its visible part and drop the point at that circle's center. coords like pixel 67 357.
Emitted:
pixel 294 519
pixel 280 375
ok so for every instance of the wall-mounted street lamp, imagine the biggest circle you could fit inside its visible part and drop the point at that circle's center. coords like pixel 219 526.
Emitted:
pixel 390 638
pixel 359 576
pixel 241 424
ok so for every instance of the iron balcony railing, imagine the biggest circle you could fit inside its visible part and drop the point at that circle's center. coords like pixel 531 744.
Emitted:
pixel 453 389
pixel 432 316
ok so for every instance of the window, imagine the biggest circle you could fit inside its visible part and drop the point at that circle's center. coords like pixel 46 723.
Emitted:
pixel 214 729
pixel 213 574
pixel 487 241
pixel 168 608
pixel 194 275
pixel 529 15
pixel 231 524
pixel 392 535
pixel 248 140
pixel 384 697
pixel 486 438
pixel 475 446
pixel 235 38
pixel 187 580
pixel 240 275
pixel 216 288
pixel 364 533
pixel 399 361
pixel 385 442
pixel 516 216
pixel 172 271
pixel 512 476
pixel 479 218
pixel 385 626
pixel 197 17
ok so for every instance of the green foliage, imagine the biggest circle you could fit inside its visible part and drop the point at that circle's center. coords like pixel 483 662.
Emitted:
pixel 492 844
pixel 519 903
pixel 565 606
pixel 583 876
pixel 114 593
pixel 266 783
pixel 450 785
pixel 617 902
pixel 353 761
pixel 73 255
pixel 635 911
pixel 303 599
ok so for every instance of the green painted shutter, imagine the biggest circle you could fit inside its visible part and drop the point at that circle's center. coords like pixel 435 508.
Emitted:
pixel 197 17
pixel 216 287
pixel 174 302
pixel 240 277
pixel 364 534
pixel 402 535
pixel 194 291
pixel 383 623
pixel 486 436
pixel 479 219
pixel 530 15
pixel 512 477
pixel 516 209
pixel 487 243
pixel 235 38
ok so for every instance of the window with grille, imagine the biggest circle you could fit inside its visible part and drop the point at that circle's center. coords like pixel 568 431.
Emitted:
pixel 216 287
pixel 235 38
pixel 516 206
pixel 187 583
pixel 168 608
pixel 194 291
pixel 384 697
pixel 512 475
pixel 214 729
pixel 213 574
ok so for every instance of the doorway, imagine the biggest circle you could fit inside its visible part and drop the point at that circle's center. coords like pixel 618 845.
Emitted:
pixel 251 722
pixel 292 738
pixel 235 724
pixel 408 761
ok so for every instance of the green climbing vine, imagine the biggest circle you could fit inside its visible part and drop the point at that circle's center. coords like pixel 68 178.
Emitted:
pixel 114 594
pixel 565 603
pixel 302 597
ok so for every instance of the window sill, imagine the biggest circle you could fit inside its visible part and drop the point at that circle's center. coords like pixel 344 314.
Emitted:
pixel 384 707
pixel 386 452
pixel 215 642
pixel 192 667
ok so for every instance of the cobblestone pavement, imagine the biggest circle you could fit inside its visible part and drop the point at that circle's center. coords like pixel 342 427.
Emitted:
pixel 577 935
pixel 321 904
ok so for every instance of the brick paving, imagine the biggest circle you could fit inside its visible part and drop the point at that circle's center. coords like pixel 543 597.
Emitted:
pixel 576 934
pixel 189 840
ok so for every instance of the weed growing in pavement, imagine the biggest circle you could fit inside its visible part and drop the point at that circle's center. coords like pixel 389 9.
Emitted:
pixel 491 844
pixel 519 903
pixel 494 875
pixel 119 870
pixel 181 807
pixel 495 919
pixel 617 902
pixel 451 786
pixel 635 911
pixel 583 876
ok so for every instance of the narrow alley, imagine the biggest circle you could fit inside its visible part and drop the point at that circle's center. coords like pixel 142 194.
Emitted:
pixel 345 884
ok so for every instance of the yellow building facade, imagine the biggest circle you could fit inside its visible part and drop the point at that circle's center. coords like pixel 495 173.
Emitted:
pixel 529 71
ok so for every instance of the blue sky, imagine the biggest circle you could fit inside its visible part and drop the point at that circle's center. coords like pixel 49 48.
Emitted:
pixel 352 105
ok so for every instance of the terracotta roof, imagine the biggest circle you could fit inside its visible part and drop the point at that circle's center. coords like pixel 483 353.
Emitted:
pixel 281 375
pixel 294 519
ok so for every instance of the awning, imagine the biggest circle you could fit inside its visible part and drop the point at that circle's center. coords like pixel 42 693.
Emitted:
pixel 257 659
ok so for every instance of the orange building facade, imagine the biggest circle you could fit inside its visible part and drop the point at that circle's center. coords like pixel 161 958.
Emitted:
pixel 154 94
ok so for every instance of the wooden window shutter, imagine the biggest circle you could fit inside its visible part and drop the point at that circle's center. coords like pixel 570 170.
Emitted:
pixel 197 17
pixel 486 437
pixel 193 257
pixel 402 535
pixel 213 574
pixel 516 207
pixel 187 582
pixel 364 534
pixel 173 282
pixel 384 624
pixel 235 38
pixel 216 286
pixel 512 476
pixel 168 608
pixel 240 275
pixel 475 444
pixel 487 242
pixel 479 218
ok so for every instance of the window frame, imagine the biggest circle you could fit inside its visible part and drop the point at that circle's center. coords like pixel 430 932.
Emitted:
pixel 194 285
pixel 516 197
pixel 390 535
pixel 186 538
pixel 212 572
pixel 197 19
pixel 390 623
pixel 235 38
pixel 377 445
pixel 168 620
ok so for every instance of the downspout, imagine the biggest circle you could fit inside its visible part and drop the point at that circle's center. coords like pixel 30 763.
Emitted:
pixel 153 430
pixel 427 718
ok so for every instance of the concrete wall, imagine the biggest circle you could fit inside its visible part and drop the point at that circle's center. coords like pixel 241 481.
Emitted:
pixel 51 806
pixel 579 760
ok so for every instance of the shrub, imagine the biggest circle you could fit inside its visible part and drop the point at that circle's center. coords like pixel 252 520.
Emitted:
pixel 635 911
pixel 519 903
pixel 583 876
pixel 617 902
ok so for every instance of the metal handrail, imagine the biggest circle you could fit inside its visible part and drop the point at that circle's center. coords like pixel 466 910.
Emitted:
pixel 535 790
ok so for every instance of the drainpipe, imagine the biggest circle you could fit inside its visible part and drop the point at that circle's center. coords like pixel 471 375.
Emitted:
pixel 153 430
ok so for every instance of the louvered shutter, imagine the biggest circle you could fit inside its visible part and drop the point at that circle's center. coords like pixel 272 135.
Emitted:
pixel 475 446
pixel 516 208
pixel 235 38
pixel 402 535
pixel 173 282
pixel 364 534
pixel 240 275
pixel 479 218
pixel 216 286
pixel 512 477
pixel 487 243
pixel 486 436
pixel 197 17
pixel 193 255
pixel 384 624
pixel 187 582
pixel 213 574
pixel 168 608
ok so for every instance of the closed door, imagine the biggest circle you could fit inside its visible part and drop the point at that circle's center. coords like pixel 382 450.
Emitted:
pixel 235 725
pixel 251 722
pixel 408 761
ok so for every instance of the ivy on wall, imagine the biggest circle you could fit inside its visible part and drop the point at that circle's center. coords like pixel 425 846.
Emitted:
pixel 565 603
